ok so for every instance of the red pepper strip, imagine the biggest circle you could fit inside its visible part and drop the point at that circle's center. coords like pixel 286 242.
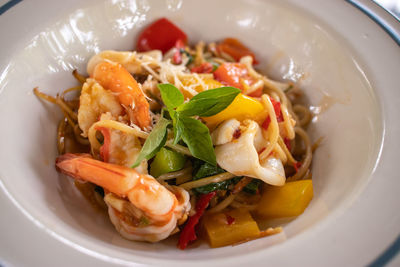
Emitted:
pixel 229 219
pixel 235 49
pixel 161 34
pixel 188 233
pixel 266 123
pixel 256 93
pixel 205 67
pixel 297 165
pixel 278 114
pixel 105 148
pixel 277 109
pixel 177 58
pixel 287 143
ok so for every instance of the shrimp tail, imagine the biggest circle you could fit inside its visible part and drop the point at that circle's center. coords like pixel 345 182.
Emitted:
pixel 161 206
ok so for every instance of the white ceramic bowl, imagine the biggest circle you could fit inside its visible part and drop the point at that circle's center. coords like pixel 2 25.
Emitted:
pixel 346 64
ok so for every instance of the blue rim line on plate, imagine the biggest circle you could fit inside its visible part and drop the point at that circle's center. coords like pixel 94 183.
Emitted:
pixel 377 20
pixel 394 248
pixel 389 253
pixel 8 5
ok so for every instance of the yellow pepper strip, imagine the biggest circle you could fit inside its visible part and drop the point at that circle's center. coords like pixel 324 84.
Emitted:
pixel 227 228
pixel 209 83
pixel 243 107
pixel 288 200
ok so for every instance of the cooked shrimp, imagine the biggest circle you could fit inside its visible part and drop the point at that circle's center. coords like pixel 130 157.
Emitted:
pixel 131 61
pixel 152 203
pixel 93 102
pixel 114 77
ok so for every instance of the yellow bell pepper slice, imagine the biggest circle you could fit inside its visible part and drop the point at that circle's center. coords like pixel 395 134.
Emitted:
pixel 288 200
pixel 209 83
pixel 227 228
pixel 243 107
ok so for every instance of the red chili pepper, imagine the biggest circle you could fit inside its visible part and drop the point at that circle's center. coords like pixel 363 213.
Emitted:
pixel 161 34
pixel 188 233
pixel 278 113
pixel 266 123
pixel 277 109
pixel 287 142
pixel 297 165
pixel 237 133
pixel 235 49
pixel 229 219
pixel 256 93
pixel 177 58
pixel 205 67
pixel 105 148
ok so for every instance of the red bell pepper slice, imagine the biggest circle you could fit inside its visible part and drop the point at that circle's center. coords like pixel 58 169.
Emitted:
pixel 177 58
pixel 233 74
pixel 287 143
pixel 235 49
pixel 161 34
pixel 296 166
pixel 278 114
pixel 256 93
pixel 188 233
pixel 205 67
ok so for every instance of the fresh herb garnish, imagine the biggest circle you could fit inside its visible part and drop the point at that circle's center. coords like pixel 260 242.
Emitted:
pixel 209 103
pixel 203 169
pixel 154 142
pixel 252 187
pixel 192 131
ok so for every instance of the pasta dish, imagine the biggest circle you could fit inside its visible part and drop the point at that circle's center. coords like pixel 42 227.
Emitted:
pixel 174 139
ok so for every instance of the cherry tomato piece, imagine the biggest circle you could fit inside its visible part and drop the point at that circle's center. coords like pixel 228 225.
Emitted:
pixel 235 49
pixel 161 34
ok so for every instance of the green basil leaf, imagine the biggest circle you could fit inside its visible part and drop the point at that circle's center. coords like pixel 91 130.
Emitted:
pixel 210 102
pixel 252 187
pixel 178 128
pixel 170 95
pixel 197 137
pixel 154 142
pixel 203 169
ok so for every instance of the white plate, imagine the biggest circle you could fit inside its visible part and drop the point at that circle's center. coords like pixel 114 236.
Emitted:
pixel 340 56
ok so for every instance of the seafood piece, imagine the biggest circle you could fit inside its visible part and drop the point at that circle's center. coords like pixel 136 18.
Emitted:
pixel 120 148
pixel 131 61
pixel 95 101
pixel 114 77
pixel 225 131
pixel 156 210
pixel 240 156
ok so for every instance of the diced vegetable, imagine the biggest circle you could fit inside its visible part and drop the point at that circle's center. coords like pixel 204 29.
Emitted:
pixel 188 233
pixel 234 74
pixel 177 58
pixel 235 49
pixel 285 201
pixel 209 83
pixel 165 161
pixel 243 107
pixel 278 113
pixel 227 228
pixel 206 67
pixel 161 35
